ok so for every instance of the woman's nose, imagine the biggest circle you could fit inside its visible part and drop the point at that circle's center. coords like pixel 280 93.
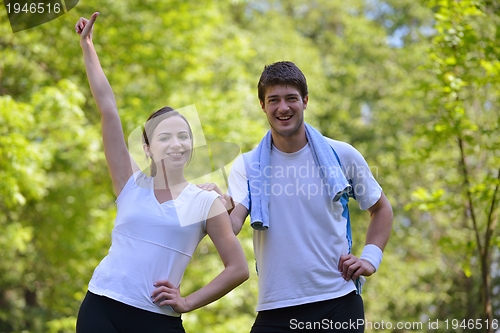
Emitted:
pixel 175 143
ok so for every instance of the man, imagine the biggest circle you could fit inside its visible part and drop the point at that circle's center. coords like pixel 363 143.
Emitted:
pixel 295 186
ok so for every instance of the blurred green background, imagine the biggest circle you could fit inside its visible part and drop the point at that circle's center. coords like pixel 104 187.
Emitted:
pixel 413 85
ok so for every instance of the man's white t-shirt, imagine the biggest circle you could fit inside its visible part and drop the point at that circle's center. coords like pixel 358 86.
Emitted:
pixel 297 257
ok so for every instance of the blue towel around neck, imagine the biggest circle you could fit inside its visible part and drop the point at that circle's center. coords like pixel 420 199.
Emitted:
pixel 259 174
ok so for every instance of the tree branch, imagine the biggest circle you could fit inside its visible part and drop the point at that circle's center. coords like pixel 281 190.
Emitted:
pixel 469 195
pixel 492 221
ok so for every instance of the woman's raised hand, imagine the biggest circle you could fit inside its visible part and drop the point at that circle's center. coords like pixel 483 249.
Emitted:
pixel 85 27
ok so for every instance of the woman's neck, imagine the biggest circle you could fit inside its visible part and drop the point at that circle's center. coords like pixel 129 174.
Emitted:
pixel 169 185
pixel 165 179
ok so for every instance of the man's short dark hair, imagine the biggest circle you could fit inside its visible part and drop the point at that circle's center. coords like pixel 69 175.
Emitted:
pixel 282 73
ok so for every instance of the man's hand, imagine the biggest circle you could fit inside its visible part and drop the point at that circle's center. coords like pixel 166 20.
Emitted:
pixel 352 267
pixel 226 199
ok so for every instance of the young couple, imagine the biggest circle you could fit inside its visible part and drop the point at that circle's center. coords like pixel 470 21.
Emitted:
pixel 302 239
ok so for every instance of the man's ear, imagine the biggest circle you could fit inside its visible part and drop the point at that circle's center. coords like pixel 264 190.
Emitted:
pixel 262 105
pixel 306 100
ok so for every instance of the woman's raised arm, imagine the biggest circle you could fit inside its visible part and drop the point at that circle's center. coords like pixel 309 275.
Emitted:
pixel 120 163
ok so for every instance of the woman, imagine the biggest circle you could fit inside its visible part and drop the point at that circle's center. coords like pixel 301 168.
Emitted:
pixel 160 220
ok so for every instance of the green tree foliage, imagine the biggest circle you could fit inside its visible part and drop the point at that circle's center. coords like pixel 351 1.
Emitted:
pixel 464 59
pixel 413 85
pixel 49 152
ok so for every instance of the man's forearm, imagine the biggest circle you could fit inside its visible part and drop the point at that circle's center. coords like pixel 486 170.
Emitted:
pixel 238 216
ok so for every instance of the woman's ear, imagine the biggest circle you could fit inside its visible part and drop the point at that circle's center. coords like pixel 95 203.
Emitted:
pixel 145 147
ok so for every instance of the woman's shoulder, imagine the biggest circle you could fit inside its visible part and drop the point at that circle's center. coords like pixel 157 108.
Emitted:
pixel 194 204
pixel 194 191
pixel 140 179
pixel 136 181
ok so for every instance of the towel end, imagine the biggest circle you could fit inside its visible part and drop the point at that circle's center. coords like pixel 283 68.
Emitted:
pixel 259 226
pixel 347 189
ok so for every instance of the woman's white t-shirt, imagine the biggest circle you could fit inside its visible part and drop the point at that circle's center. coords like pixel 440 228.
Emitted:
pixel 150 242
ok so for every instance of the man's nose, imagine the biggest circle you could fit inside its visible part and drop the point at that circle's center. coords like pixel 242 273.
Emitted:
pixel 283 106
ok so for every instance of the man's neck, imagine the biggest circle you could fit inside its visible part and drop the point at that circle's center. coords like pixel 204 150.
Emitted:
pixel 289 144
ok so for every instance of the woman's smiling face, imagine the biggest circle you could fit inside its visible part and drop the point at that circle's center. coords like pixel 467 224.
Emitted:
pixel 171 142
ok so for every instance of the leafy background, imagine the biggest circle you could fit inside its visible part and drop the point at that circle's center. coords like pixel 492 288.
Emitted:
pixel 413 85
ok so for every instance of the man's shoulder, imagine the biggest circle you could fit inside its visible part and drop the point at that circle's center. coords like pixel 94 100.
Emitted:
pixel 250 152
pixel 346 152
pixel 340 146
pixel 247 156
pixel 239 163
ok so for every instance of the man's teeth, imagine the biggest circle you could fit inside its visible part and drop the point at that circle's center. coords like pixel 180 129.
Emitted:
pixel 284 118
pixel 175 154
